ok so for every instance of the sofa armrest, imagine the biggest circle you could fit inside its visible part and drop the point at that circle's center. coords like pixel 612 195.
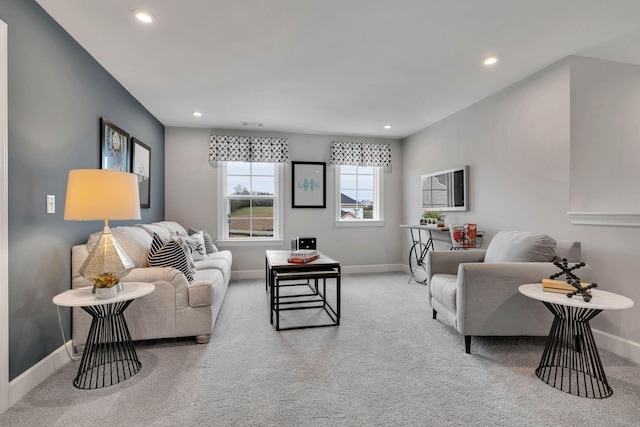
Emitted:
pixel 446 262
pixel 488 299
pixel 200 293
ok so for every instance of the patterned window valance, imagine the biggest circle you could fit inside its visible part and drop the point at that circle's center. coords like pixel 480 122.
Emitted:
pixel 360 154
pixel 248 149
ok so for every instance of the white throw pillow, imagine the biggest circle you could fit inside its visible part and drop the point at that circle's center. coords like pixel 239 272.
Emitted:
pixel 208 240
pixel 195 242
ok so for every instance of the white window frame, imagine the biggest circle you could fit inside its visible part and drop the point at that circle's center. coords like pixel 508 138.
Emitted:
pixel 378 201
pixel 223 207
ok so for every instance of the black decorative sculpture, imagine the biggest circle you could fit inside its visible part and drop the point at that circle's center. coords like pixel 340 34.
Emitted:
pixel 573 280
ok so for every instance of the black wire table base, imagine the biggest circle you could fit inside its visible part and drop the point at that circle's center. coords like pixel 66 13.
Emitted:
pixel 109 356
pixel 571 361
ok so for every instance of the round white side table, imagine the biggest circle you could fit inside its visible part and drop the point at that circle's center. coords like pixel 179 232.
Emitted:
pixel 571 361
pixel 109 356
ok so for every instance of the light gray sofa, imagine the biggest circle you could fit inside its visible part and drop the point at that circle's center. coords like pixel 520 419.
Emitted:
pixel 476 291
pixel 177 307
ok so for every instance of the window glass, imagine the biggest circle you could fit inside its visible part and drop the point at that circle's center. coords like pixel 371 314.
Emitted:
pixel 359 193
pixel 250 199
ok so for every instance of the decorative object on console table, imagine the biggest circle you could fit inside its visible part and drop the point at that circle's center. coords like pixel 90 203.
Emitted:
pixel 432 218
pixel 114 147
pixel 141 166
pixel 103 195
pixel 308 188
pixel 464 236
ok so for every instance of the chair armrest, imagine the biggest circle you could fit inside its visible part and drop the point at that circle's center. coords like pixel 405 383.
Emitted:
pixel 446 262
pixel 488 298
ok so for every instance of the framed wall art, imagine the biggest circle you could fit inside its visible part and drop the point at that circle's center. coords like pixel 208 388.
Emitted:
pixel 308 185
pixel 141 166
pixel 114 147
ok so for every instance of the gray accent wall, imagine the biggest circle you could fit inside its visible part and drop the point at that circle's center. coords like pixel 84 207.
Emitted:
pixel 191 192
pixel 539 149
pixel 57 94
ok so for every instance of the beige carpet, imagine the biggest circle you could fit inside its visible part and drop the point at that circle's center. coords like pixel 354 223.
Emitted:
pixel 387 364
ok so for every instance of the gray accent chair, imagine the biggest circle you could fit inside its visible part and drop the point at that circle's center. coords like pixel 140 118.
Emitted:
pixel 476 291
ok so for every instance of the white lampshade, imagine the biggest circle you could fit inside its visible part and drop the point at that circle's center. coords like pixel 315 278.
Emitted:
pixel 100 194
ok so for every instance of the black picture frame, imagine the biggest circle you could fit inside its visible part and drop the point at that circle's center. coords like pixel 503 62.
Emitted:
pixel 114 147
pixel 308 185
pixel 141 166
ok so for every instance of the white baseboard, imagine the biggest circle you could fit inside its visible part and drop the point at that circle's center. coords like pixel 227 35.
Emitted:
pixel 620 346
pixel 39 372
pixel 351 269
pixel 375 268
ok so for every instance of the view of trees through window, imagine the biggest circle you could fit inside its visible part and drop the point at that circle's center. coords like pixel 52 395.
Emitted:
pixel 250 196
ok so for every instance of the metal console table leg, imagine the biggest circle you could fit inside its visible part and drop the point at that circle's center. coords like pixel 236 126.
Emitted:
pixel 109 356
pixel 571 361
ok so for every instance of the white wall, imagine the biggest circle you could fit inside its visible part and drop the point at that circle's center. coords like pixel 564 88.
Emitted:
pixel 520 145
pixel 191 188
pixel 516 144
pixel 605 130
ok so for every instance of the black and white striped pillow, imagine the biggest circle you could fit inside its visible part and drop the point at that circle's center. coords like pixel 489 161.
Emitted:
pixel 208 240
pixel 169 254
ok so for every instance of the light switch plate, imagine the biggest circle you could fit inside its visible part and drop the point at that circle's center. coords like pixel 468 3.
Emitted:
pixel 51 204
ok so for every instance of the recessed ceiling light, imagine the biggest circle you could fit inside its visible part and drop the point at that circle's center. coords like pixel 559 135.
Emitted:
pixel 143 16
pixel 491 60
pixel 197 114
pixel 387 126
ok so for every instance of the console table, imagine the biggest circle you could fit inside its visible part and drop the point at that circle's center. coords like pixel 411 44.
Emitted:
pixel 109 356
pixel 571 361
pixel 305 277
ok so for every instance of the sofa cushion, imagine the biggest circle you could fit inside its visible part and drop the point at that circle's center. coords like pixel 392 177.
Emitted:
pixel 162 231
pixel 208 240
pixel 219 261
pixel 134 241
pixel 173 227
pixel 520 246
pixel 169 254
pixel 443 288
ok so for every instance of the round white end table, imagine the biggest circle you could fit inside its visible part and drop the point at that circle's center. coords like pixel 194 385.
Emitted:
pixel 109 356
pixel 571 361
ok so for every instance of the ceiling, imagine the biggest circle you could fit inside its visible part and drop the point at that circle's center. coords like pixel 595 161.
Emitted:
pixel 340 67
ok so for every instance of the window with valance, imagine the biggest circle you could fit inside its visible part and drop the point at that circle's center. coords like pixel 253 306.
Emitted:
pixel 359 181
pixel 250 187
